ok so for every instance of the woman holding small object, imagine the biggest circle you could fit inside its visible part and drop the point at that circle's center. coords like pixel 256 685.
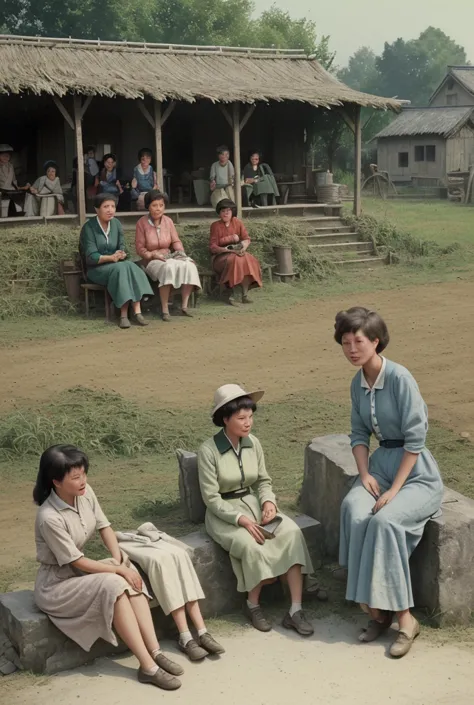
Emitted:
pixel 229 243
pixel 242 514
pixel 399 487
pixel 166 262
pixel 144 178
pixel 46 195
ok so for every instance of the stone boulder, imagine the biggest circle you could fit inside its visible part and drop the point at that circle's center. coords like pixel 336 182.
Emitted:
pixel 44 649
pixel 192 502
pixel 441 566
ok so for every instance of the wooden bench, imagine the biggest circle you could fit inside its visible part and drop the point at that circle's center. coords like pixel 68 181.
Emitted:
pixel 210 281
pixel 87 287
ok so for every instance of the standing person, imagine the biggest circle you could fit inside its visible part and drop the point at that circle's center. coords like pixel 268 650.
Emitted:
pixel 144 178
pixel 229 242
pixel 91 167
pixel 158 243
pixel 238 494
pixel 102 248
pixel 84 598
pixel 399 487
pixel 222 177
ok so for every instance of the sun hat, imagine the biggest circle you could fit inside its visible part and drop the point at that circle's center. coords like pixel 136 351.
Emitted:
pixel 229 392
pixel 6 148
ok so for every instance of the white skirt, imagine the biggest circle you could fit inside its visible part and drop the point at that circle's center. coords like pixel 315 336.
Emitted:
pixel 174 272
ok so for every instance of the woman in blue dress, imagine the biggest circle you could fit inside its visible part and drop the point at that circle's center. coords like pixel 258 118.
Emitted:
pixel 399 487
pixel 144 178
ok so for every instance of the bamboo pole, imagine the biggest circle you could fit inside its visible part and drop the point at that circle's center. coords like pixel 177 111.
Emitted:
pixel 236 131
pixel 159 145
pixel 357 161
pixel 81 191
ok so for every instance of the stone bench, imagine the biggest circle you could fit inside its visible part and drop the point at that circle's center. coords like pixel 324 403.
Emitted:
pixel 442 565
pixel 42 648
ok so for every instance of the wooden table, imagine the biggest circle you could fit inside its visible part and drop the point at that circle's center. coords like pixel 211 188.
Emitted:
pixel 285 188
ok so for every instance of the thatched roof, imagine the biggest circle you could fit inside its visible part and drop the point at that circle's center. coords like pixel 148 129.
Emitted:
pixel 428 121
pixel 132 70
pixel 464 75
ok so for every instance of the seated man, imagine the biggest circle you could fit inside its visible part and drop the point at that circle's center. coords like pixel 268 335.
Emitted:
pixel 222 177
pixel 8 183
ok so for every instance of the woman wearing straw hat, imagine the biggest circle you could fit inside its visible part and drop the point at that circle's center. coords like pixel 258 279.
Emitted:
pixel 237 491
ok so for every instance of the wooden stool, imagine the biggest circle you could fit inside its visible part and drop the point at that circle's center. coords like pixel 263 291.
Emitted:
pixel 97 287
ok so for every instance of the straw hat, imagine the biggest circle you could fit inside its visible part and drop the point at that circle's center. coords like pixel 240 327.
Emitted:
pixel 229 392
pixel 6 148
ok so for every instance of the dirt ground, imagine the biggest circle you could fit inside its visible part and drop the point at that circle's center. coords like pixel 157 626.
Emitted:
pixel 277 668
pixel 287 352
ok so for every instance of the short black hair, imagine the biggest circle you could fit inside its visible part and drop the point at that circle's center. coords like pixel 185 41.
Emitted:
pixel 101 198
pixel 144 151
pixel 231 408
pixel 109 155
pixel 222 148
pixel 55 463
pixel 255 151
pixel 362 319
pixel 155 195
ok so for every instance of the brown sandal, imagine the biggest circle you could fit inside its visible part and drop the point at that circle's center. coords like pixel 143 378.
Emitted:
pixel 375 629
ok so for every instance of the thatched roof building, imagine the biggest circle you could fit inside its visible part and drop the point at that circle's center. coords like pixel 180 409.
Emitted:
pixel 181 100
pixel 174 72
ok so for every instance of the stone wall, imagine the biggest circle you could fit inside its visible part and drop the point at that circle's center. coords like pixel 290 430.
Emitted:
pixel 442 565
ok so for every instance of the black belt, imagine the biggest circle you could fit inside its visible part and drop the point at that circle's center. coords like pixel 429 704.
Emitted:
pixel 237 494
pixel 392 444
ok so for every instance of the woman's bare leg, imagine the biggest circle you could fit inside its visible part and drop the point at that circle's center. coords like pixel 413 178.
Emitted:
pixel 136 307
pixel 142 612
pixel 405 621
pixel 295 583
pixel 124 310
pixel 164 297
pixel 186 290
pixel 126 625
pixel 254 595
pixel 195 615
pixel 180 620
pixel 246 282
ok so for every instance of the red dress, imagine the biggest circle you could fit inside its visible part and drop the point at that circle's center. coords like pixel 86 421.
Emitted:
pixel 231 266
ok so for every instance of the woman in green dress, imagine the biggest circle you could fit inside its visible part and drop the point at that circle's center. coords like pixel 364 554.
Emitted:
pixel 102 248
pixel 238 494
pixel 260 183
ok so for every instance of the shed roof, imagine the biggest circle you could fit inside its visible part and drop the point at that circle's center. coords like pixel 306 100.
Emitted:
pixel 179 72
pixel 462 74
pixel 444 121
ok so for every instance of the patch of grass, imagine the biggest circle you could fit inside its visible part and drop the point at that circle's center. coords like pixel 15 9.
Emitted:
pixel 443 222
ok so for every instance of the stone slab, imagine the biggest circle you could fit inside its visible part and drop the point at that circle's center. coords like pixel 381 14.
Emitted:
pixel 442 565
pixel 192 502
pixel 44 649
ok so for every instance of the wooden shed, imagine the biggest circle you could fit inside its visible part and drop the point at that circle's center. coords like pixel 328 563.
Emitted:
pixel 57 95
pixel 424 144
pixel 456 88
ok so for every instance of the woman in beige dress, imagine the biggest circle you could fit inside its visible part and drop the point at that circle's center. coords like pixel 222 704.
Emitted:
pixel 163 255
pixel 87 599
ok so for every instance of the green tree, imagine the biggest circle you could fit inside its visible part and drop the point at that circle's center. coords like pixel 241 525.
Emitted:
pixel 361 72
pixel 412 70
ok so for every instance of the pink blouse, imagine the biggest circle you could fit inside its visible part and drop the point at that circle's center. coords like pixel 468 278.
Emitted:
pixel 150 240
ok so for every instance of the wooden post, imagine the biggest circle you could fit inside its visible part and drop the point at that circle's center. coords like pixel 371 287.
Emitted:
pixel 81 193
pixel 357 161
pixel 158 145
pixel 236 130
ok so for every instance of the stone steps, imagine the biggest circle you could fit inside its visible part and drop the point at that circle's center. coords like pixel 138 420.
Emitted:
pixel 345 247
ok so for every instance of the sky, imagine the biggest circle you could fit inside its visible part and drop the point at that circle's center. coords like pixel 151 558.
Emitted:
pixel 355 23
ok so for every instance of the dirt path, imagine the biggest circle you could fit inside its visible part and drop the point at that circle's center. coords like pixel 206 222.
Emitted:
pixel 278 668
pixel 286 352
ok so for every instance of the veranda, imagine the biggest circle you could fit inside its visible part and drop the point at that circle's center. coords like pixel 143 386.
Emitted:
pixel 60 95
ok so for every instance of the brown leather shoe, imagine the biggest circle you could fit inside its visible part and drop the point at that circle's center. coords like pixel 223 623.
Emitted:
pixel 161 679
pixel 258 619
pixel 403 643
pixel 140 319
pixel 375 628
pixel 298 622
pixel 193 651
pixel 206 641
pixel 168 665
